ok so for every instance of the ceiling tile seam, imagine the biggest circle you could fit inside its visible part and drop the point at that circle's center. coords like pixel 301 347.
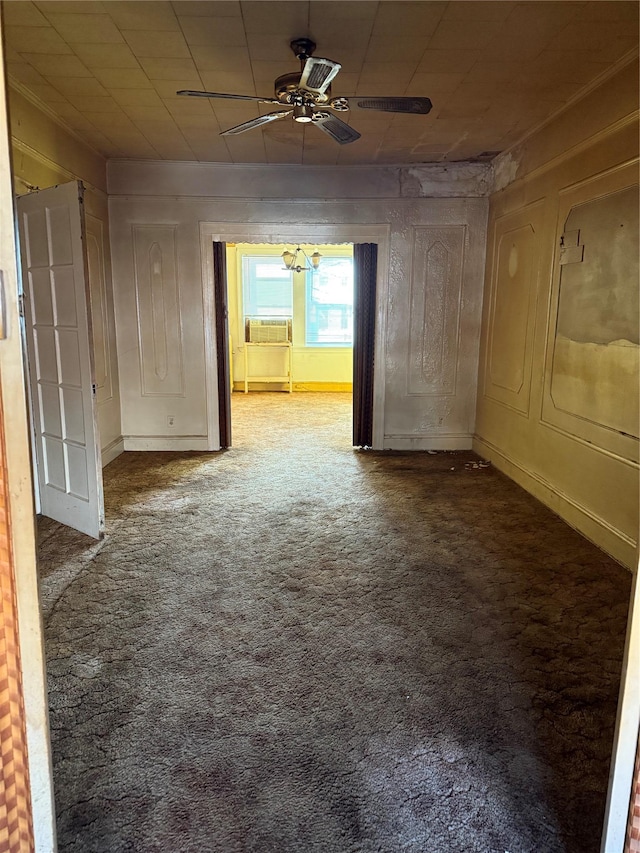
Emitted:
pixel 426 48
pixel 140 129
pixel 225 139
pixel 93 76
pixel 90 73
pixel 195 64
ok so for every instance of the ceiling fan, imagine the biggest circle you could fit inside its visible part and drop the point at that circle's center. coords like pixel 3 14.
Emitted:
pixel 308 94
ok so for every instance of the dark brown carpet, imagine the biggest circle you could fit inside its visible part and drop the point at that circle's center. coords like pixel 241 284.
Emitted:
pixel 293 646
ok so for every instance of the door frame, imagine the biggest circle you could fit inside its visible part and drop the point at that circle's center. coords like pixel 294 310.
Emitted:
pixel 18 561
pixel 274 232
pixel 221 298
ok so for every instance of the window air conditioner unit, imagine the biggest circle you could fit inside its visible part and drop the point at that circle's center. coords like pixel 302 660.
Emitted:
pixel 267 331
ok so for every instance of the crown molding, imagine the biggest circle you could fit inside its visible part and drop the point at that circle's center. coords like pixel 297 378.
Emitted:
pixel 50 164
pixel 580 95
pixel 28 95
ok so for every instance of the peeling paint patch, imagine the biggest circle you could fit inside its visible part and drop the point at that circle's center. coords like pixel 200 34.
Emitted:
pixel 455 180
pixel 505 170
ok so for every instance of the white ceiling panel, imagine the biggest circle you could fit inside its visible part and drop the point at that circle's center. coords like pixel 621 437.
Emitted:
pixel 493 70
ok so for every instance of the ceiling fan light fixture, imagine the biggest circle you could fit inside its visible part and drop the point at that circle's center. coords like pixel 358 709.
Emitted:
pixel 315 259
pixel 303 113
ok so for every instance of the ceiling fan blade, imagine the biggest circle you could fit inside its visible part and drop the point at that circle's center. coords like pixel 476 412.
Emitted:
pixel 256 122
pixel 335 128
pixel 318 73
pixel 418 106
pixel 195 94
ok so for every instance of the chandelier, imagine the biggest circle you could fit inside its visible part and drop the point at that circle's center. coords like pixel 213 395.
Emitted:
pixel 291 263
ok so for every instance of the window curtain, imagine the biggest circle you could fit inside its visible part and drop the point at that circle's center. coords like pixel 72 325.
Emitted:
pixel 365 258
pixel 222 342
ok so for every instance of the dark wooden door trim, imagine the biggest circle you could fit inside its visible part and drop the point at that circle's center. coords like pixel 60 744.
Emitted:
pixel 365 258
pixel 222 341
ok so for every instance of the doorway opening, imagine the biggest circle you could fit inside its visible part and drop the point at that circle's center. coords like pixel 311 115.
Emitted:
pixel 296 320
pixel 290 330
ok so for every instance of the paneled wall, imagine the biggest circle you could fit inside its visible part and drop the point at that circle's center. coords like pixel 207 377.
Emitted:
pixel 434 351
pixel 429 288
pixel 158 311
pixel 44 154
pixel 558 383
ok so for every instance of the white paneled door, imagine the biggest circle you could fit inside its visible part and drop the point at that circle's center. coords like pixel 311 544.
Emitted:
pixel 58 330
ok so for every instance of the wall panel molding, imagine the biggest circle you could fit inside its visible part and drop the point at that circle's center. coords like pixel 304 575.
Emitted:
pixel 158 311
pixel 555 412
pixel 434 306
pixel 513 294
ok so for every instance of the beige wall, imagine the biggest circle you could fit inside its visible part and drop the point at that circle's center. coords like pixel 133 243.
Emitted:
pixel 549 408
pixel 44 154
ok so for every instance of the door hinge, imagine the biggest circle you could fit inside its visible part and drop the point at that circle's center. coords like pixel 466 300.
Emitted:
pixel 93 388
pixel 21 304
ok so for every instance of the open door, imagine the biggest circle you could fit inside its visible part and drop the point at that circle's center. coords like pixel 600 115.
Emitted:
pixel 222 341
pixel 58 332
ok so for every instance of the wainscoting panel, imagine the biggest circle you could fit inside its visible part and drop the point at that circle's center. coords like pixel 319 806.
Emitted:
pixel 558 402
pixel 436 292
pixel 592 371
pixel 512 302
pixel 158 305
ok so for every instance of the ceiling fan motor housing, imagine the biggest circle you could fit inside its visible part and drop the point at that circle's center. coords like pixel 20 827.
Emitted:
pixel 288 91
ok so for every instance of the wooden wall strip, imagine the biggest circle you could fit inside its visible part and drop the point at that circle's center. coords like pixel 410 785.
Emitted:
pixel 16 829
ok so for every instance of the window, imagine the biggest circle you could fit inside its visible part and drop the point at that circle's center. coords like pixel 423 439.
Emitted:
pixel 267 287
pixel 329 303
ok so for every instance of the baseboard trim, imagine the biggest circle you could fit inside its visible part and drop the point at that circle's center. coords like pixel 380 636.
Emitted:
pixel 451 441
pixel 605 536
pixel 325 387
pixel 112 450
pixel 162 442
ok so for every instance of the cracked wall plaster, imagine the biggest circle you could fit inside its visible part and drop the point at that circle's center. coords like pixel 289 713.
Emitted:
pixel 505 171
